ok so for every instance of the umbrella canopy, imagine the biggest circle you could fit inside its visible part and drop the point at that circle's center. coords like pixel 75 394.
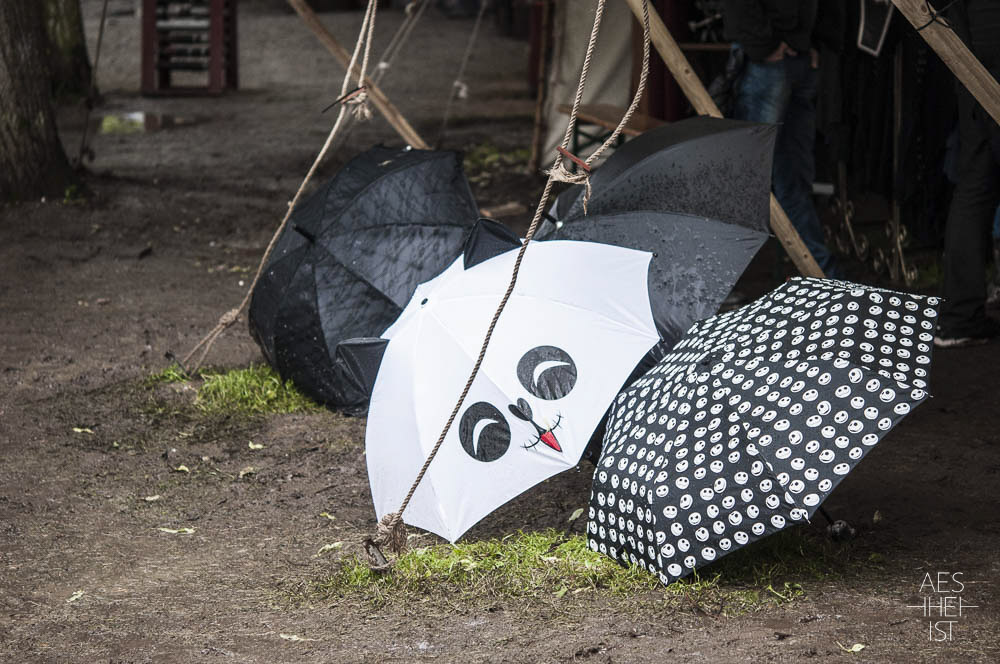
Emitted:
pixel 575 326
pixel 707 167
pixel 750 422
pixel 696 193
pixel 349 260
pixel 696 260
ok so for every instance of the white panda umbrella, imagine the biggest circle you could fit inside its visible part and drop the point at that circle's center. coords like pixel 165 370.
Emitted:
pixel 578 322
pixel 753 418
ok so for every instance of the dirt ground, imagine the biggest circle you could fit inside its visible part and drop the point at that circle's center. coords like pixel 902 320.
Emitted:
pixel 94 292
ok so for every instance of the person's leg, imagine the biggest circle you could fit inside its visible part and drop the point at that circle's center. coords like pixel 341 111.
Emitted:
pixel 967 230
pixel 762 93
pixel 795 162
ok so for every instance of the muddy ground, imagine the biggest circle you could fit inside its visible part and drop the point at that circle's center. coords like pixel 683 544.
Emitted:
pixel 95 291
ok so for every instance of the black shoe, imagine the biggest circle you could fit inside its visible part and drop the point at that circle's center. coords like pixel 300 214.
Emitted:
pixel 972 335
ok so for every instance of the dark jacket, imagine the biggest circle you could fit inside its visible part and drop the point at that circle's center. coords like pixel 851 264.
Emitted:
pixel 760 26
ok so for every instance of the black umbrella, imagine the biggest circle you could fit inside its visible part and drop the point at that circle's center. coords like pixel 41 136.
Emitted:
pixel 349 261
pixel 753 418
pixel 706 167
pixel 696 193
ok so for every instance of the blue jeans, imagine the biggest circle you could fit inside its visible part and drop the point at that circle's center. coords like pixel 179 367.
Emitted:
pixel 783 93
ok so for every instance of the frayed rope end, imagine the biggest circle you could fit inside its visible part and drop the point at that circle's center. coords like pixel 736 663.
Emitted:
pixel 360 108
pixel 559 173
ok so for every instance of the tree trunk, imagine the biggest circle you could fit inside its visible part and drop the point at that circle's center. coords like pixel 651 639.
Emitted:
pixel 32 161
pixel 67 48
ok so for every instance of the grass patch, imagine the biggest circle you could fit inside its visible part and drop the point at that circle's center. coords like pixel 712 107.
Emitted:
pixel 485 161
pixel 257 389
pixel 254 390
pixel 555 566
pixel 172 374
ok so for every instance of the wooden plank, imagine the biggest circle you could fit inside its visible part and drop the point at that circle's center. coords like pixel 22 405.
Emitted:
pixel 702 102
pixel 608 116
pixel 954 53
pixel 382 103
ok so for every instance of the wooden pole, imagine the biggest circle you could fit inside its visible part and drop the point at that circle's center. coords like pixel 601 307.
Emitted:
pixel 382 103
pixel 541 88
pixel 703 104
pixel 954 53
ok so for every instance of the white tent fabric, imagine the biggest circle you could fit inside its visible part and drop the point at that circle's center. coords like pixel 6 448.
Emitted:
pixel 609 78
pixel 577 324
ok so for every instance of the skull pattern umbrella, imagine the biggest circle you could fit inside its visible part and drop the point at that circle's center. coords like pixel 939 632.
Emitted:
pixel 577 322
pixel 753 418
pixel 349 260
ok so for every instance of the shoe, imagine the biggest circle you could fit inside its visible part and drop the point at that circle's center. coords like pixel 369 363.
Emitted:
pixel 973 335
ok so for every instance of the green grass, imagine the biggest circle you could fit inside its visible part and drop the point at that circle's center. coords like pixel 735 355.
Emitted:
pixel 254 390
pixel 172 374
pixel 555 566
pixel 485 161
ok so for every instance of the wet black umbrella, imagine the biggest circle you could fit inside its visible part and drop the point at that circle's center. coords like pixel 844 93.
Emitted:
pixel 695 193
pixel 349 261
pixel 706 167
pixel 753 418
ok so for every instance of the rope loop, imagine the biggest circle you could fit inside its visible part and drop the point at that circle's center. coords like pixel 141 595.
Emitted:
pixel 559 173
pixel 359 105
pixel 230 317
pixel 392 532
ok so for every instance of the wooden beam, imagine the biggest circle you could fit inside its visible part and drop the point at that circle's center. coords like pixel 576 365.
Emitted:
pixel 954 53
pixel 382 103
pixel 703 104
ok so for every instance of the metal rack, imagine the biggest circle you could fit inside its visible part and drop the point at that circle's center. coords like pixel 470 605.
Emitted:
pixel 189 36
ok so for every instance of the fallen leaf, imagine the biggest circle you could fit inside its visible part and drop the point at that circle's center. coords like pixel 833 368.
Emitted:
pixel 255 446
pixel 177 531
pixel 152 499
pixel 75 596
pixel 249 470
pixel 328 516
pixel 182 469
pixel 877 517
pixel 83 430
pixel 294 637
pixel 329 547
pixel 577 513
pixel 857 647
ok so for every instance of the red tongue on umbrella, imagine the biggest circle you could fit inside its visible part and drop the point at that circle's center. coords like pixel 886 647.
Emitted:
pixel 549 439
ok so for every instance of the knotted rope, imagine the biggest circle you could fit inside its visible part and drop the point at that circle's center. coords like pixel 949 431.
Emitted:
pixel 559 172
pixel 391 530
pixel 458 87
pixel 227 319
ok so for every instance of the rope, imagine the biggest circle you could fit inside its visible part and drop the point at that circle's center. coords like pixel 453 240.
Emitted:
pixel 391 531
pixel 458 87
pixel 559 171
pixel 414 11
pixel 227 319
pixel 936 15
pixel 91 93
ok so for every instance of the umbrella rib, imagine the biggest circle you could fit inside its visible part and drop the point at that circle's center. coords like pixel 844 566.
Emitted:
pixel 360 277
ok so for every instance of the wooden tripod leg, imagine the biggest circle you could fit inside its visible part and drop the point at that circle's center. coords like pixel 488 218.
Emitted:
pixel 382 103
pixel 954 53
pixel 703 104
